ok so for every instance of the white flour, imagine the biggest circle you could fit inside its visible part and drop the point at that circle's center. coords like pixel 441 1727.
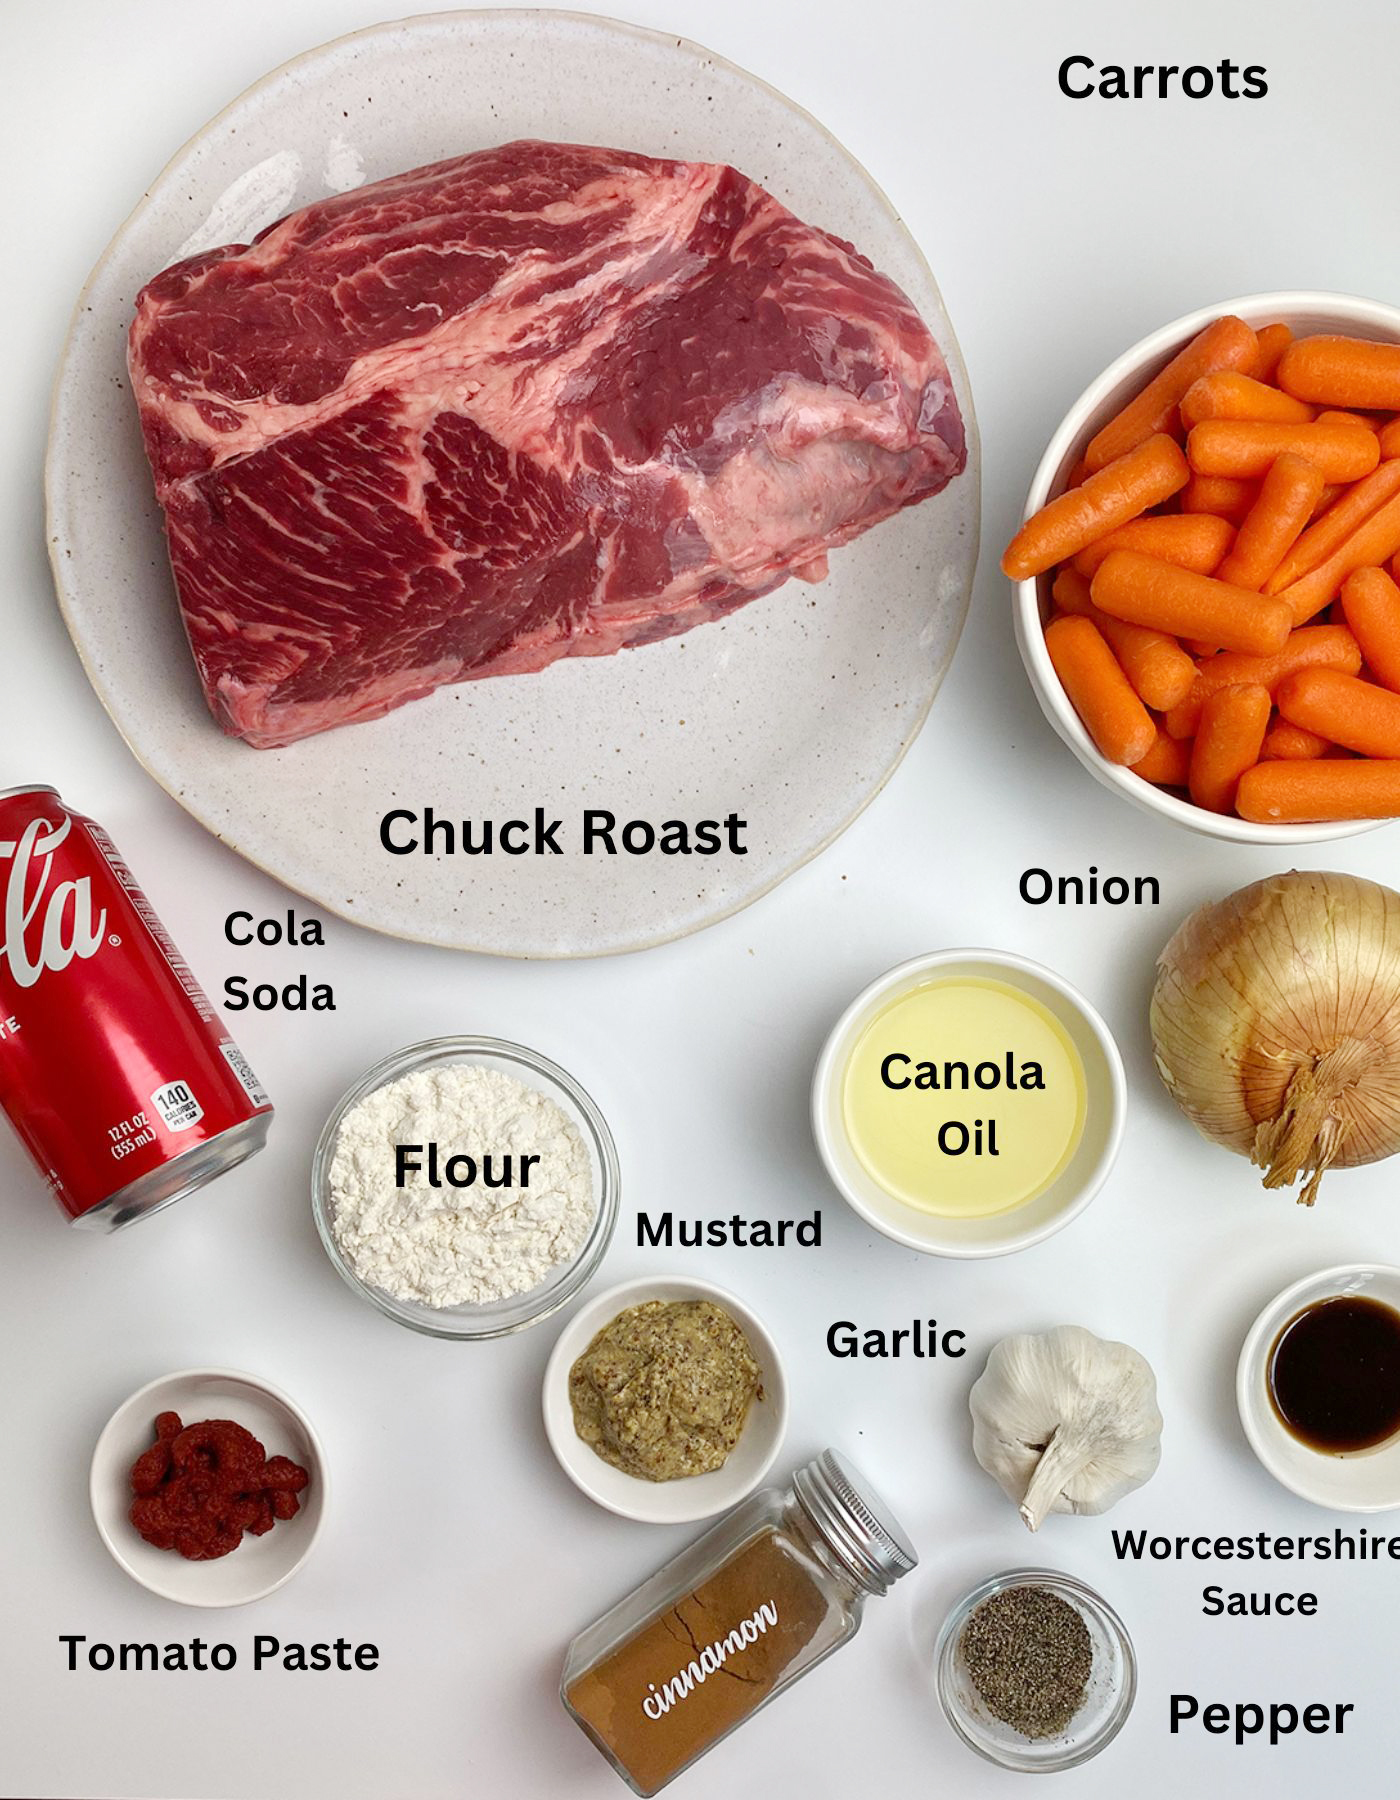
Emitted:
pixel 453 1246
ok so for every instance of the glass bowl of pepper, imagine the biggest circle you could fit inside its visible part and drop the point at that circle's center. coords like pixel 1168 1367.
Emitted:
pixel 1035 1671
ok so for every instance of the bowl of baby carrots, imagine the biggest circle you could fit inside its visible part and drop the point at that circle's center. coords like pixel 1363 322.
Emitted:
pixel 1207 580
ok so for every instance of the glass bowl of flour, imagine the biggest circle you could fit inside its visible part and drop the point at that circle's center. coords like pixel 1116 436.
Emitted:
pixel 466 1186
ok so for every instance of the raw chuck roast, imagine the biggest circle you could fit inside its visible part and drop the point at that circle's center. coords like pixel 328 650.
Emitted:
pixel 540 401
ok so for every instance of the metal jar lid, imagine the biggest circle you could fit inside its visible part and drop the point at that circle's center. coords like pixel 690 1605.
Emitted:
pixel 861 1530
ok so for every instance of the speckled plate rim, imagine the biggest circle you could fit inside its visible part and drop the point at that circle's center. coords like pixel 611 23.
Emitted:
pixel 54 478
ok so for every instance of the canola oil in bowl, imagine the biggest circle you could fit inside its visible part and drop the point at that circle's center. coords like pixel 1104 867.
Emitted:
pixel 969 1103
pixel 964 1097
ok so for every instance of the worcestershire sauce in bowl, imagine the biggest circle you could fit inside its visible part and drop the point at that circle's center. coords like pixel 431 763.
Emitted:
pixel 1334 1374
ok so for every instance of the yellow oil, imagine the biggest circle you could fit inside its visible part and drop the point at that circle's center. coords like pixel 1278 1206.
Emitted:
pixel 964 1151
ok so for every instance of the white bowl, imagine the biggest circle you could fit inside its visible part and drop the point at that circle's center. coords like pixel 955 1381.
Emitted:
pixel 1074 1187
pixel 1361 1481
pixel 1305 312
pixel 260 1565
pixel 693 1496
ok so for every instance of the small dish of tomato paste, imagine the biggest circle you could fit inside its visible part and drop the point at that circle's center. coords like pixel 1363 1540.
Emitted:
pixel 209 1487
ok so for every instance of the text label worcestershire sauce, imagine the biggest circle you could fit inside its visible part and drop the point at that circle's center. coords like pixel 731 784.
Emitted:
pixel 964 1097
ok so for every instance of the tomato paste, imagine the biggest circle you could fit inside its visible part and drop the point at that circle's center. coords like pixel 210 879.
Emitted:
pixel 200 1487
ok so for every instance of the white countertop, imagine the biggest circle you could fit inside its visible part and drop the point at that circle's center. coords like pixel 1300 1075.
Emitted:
pixel 1060 231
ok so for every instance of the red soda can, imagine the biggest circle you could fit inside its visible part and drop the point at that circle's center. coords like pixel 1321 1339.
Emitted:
pixel 115 1070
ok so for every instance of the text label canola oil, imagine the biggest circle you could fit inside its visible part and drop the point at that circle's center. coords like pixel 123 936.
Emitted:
pixel 964 1097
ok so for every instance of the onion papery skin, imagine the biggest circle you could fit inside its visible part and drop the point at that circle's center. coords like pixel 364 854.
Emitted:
pixel 1276 1023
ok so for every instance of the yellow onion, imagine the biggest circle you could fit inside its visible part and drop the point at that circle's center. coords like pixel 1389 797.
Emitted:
pixel 1276 1024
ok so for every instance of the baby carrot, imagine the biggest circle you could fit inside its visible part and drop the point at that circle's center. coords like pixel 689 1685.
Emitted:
pixel 1070 592
pixel 1371 603
pixel 1336 525
pixel 1296 793
pixel 1145 591
pixel 1245 447
pixel 1227 394
pixel 1218 495
pixel 1373 542
pixel 1114 717
pixel 1313 647
pixel 1271 526
pixel 1390 438
pixel 1273 341
pixel 1227 343
pixel 1077 474
pixel 1335 416
pixel 1166 763
pixel 1160 671
pixel 1233 723
pixel 1349 711
pixel 1180 721
pixel 1146 475
pixel 1342 371
pixel 1290 743
pixel 1192 542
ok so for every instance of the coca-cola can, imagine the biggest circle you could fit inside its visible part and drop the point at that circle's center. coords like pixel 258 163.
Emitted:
pixel 115 1070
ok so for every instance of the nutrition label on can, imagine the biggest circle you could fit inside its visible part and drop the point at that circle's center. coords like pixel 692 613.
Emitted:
pixel 147 914
pixel 236 1060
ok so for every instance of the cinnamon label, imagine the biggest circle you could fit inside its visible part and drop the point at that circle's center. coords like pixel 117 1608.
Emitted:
pixel 690 1674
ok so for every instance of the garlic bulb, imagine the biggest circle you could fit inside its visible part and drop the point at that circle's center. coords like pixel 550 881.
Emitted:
pixel 1276 1024
pixel 1065 1422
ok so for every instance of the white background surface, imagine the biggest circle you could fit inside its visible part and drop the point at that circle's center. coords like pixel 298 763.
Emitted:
pixel 1060 231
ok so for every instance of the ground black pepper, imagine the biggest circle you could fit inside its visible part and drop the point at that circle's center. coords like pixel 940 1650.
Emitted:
pixel 1029 1655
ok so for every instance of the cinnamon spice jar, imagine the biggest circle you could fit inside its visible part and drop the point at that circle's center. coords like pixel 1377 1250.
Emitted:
pixel 743 1613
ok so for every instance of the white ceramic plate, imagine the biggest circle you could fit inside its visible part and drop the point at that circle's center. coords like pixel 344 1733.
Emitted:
pixel 259 1565
pixel 695 1496
pixel 1363 1481
pixel 792 713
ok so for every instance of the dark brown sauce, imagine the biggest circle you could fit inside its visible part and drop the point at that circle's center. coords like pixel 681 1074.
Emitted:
pixel 1334 1374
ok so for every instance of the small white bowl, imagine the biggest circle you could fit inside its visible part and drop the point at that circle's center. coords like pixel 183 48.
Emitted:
pixel 1303 311
pixel 693 1496
pixel 260 1565
pixel 1077 1182
pixel 1361 1481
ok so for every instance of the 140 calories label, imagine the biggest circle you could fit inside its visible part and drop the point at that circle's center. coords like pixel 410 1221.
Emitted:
pixel 177 1105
